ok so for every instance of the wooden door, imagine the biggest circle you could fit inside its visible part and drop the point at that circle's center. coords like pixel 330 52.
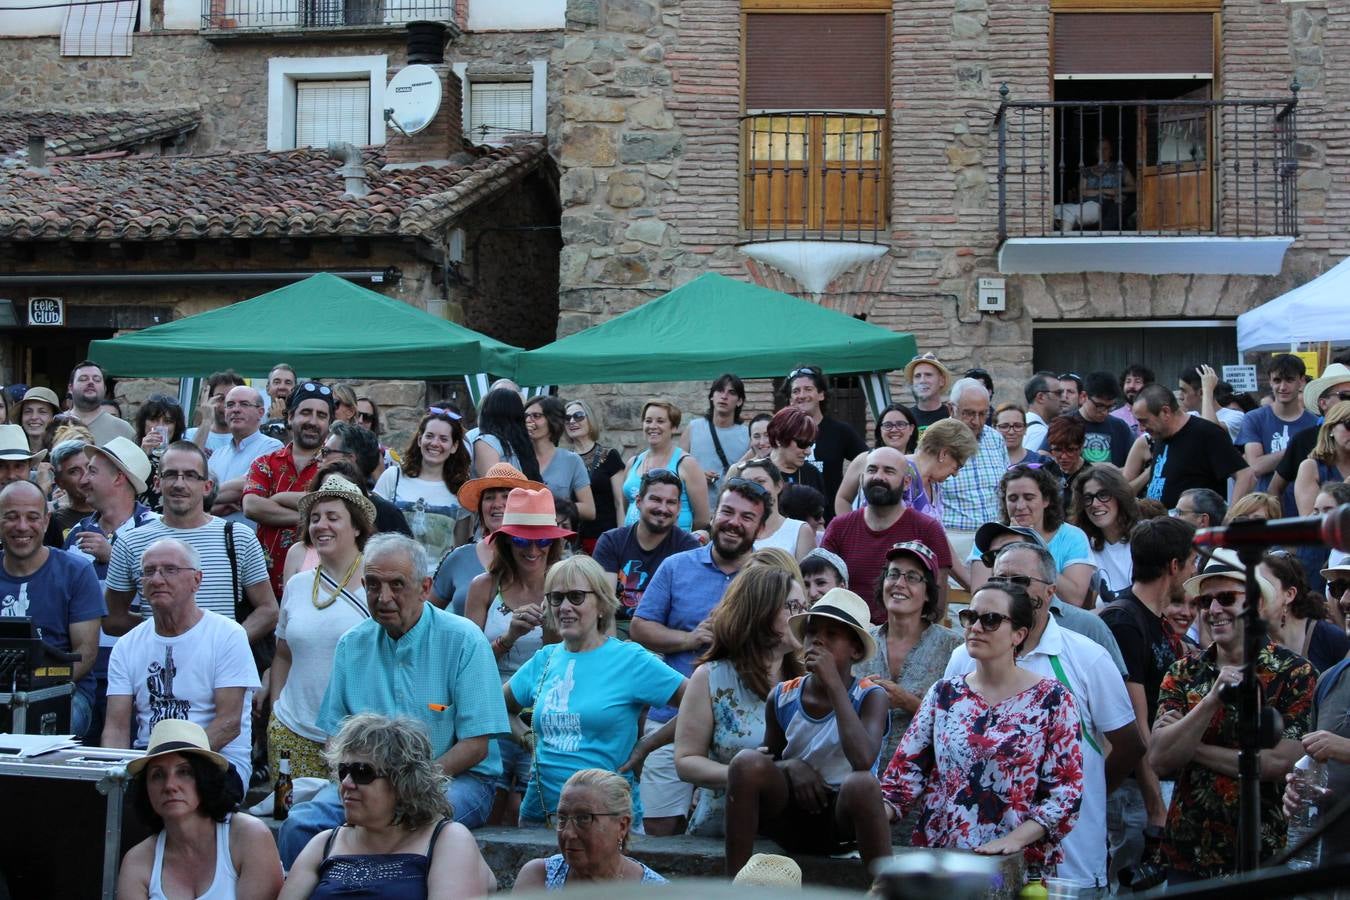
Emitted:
pixel 1176 180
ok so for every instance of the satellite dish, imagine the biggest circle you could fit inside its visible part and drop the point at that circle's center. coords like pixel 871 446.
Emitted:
pixel 412 98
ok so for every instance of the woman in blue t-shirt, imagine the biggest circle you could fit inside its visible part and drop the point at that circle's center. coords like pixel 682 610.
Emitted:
pixel 588 691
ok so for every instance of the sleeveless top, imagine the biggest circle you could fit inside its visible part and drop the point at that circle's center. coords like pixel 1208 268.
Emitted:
pixel 222 883
pixel 495 625
pixel 785 538
pixel 634 481
pixel 390 876
pixel 816 741
pixel 1327 473
pixel 556 870
pixel 738 724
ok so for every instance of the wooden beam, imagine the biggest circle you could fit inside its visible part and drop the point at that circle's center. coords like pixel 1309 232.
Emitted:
pixel 295 248
pixel 358 247
pixel 238 248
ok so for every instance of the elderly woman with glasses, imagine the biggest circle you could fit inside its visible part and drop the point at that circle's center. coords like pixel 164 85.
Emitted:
pixel 722 712
pixel 507 602
pixel 398 840
pixel 896 428
pixel 1105 508
pixel 435 466
pixel 660 419
pixel 604 467
pixel 594 822
pixel 588 691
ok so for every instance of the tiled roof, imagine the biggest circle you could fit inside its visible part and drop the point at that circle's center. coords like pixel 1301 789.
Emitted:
pixel 288 193
pixel 71 133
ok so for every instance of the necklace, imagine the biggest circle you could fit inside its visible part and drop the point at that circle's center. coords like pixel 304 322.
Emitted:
pixel 314 593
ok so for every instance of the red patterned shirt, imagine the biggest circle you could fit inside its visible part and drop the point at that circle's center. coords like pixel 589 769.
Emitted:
pixel 275 473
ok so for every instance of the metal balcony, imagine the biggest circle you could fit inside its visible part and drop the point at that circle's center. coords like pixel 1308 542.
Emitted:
pixel 317 18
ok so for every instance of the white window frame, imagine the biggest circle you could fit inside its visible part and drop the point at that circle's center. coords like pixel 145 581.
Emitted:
pixel 538 96
pixel 284 72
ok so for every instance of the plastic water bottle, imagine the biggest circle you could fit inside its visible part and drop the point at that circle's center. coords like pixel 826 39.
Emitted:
pixel 1309 786
pixel 419 520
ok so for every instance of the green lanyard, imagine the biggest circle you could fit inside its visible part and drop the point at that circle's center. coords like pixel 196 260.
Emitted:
pixel 1082 727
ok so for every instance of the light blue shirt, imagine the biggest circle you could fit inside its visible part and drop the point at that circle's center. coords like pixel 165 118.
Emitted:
pixel 214 439
pixel 232 460
pixel 684 590
pixel 442 660
pixel 586 708
pixel 970 497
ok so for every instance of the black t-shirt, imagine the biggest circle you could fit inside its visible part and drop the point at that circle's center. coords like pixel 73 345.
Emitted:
pixel 1199 455
pixel 926 418
pixel 618 551
pixel 1327 645
pixel 1107 441
pixel 1146 643
pixel 388 517
pixel 1298 450
pixel 607 463
pixel 836 444
pixel 810 476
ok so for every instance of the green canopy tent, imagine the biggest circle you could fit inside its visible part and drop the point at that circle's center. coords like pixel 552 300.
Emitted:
pixel 325 326
pixel 716 324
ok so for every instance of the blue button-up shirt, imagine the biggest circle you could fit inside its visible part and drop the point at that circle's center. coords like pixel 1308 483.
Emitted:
pixel 685 588
pixel 970 497
pixel 442 661
pixel 233 459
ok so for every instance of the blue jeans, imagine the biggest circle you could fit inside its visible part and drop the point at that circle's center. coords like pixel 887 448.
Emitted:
pixel 470 796
pixel 81 714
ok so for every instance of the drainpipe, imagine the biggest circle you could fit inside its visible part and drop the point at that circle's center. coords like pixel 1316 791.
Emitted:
pixel 37 152
pixel 353 169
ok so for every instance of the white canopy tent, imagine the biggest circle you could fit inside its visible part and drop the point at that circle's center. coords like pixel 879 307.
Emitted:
pixel 1316 312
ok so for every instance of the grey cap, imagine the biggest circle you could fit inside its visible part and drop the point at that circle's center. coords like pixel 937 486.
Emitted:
pixel 832 558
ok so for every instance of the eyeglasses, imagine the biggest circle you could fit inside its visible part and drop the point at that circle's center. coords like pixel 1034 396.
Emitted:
pixel 450 413
pixel 1101 405
pixel 581 820
pixel 240 404
pixel 169 476
pixel 1224 598
pixel 1061 448
pixel 908 575
pixel 327 452
pixel 1012 426
pixel 803 445
pixel 1342 395
pixel 1020 580
pixel 990 621
pixel 576 417
pixel 576 598
pixel 165 571
pixel 896 426
pixel 1338 586
pixel 660 476
pixel 533 416
pixel 360 773
pixel 541 543
pixel 1090 498
pixel 753 487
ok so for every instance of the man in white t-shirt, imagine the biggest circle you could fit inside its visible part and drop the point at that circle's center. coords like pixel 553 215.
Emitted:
pixel 185 663
pixel 1108 717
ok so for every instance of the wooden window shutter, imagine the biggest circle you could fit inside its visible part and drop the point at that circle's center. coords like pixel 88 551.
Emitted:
pixel 1134 44
pixel 815 61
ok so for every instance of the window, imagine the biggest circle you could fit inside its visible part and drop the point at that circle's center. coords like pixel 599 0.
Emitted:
pixel 814 138
pixel 499 109
pixel 99 29
pixel 328 111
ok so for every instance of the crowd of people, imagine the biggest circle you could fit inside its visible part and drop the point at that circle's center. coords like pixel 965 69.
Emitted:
pixel 987 631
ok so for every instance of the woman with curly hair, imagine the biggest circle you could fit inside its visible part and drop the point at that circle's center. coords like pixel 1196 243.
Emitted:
pixel 159 422
pixel 435 466
pixel 398 840
pixel 723 708
pixel 1106 509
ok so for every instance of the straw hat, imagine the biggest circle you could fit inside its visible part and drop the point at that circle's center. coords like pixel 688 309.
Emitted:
pixel 177 736
pixel 530 514
pixel 500 475
pixel 842 605
pixel 129 459
pixel 335 487
pixel 926 359
pixel 1341 570
pixel 1332 374
pixel 14 445
pixel 46 395
pixel 770 870
pixel 1225 564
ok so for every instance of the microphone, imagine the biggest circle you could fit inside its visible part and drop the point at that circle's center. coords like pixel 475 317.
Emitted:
pixel 1332 530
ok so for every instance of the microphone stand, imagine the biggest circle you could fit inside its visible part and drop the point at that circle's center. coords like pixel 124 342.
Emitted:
pixel 1249 720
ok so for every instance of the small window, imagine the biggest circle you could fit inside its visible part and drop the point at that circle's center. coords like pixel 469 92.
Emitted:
pixel 329 111
pixel 498 109
pixel 99 29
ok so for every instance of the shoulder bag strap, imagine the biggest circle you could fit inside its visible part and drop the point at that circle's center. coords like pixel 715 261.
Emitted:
pixel 241 609
pixel 717 443
pixel 534 757
pixel 1082 727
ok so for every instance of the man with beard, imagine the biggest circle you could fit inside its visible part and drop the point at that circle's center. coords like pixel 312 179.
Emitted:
pixel 863 537
pixel 184 484
pixel 1133 380
pixel 1042 393
pixel 927 378
pixel 1195 737
pixel 672 619
pixel 212 431
pixel 277 480
pixel 230 464
pixel 1162 559
pixel 631 554
pixel 88 389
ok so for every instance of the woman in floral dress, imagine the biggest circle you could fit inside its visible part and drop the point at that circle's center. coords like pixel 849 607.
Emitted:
pixel 994 754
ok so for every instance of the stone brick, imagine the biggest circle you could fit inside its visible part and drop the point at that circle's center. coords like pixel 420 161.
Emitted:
pixel 625 189
pixel 645 147
pixel 650 112
pixel 587 145
pixel 593 109
pixel 630 15
pixel 625 270
pixel 576 186
pixel 647 231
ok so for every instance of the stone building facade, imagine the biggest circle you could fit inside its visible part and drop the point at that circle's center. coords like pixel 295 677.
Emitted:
pixel 650 151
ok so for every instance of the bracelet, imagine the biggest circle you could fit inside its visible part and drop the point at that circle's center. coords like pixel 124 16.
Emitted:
pixel 499 645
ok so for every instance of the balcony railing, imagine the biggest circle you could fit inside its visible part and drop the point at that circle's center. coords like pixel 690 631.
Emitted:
pixel 282 15
pixel 1109 168
pixel 814 176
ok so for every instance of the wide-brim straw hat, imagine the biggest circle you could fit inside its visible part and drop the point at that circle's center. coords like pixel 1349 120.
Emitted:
pixel 1225 564
pixel 770 870
pixel 928 359
pixel 1332 374
pixel 1341 570
pixel 530 514
pixel 335 487
pixel 14 445
pixel 500 475
pixel 177 736
pixel 844 606
pixel 129 459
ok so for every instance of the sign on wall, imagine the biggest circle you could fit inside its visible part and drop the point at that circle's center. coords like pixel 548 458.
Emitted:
pixel 46 311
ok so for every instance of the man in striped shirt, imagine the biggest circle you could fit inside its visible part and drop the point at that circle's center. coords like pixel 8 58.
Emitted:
pixel 970 497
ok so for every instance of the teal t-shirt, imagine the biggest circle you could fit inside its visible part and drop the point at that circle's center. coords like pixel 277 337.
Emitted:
pixel 586 708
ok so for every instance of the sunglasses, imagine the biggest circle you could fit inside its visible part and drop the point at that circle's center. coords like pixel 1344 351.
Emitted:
pixel 1225 598
pixel 807 371
pixel 1060 448
pixel 990 621
pixel 541 543
pixel 450 413
pixel 1020 580
pixel 576 417
pixel 1090 498
pixel 365 416
pixel 556 598
pixel 1070 376
pixel 360 773
pixel 164 399
pixel 322 390
pixel 1338 586
pixel 753 487
pixel 803 445
pixel 582 821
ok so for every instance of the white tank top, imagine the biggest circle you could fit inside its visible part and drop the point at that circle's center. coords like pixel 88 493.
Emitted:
pixel 496 624
pixel 785 538
pixel 222 884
